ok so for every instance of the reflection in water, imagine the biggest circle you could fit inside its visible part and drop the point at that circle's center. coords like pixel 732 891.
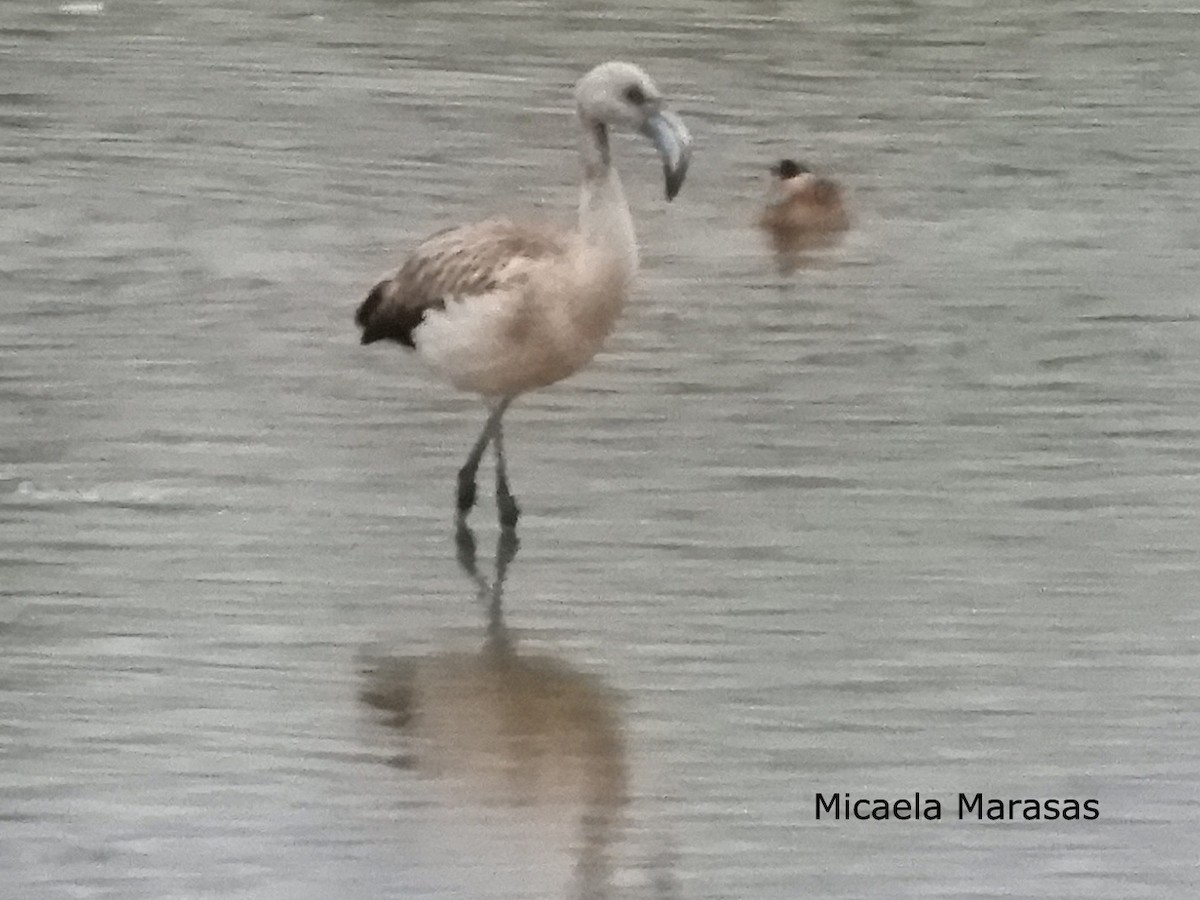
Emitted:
pixel 518 731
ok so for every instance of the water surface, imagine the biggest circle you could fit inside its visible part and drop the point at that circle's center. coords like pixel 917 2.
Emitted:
pixel 921 517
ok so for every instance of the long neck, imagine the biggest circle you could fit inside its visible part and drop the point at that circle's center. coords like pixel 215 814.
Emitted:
pixel 604 220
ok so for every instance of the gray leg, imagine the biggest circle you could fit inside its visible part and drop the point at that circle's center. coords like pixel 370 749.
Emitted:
pixel 505 502
pixel 466 475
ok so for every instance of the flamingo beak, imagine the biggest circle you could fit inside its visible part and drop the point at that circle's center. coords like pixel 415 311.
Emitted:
pixel 674 144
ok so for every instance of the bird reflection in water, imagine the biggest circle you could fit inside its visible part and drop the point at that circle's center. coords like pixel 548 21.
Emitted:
pixel 516 730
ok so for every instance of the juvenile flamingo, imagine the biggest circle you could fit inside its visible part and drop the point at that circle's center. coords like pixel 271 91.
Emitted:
pixel 499 307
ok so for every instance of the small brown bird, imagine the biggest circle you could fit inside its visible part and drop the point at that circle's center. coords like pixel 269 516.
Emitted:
pixel 803 212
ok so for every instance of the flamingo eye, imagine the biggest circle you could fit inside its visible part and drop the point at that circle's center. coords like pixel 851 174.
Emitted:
pixel 635 95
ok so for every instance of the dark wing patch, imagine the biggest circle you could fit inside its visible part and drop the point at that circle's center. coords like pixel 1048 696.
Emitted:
pixel 397 325
pixel 454 264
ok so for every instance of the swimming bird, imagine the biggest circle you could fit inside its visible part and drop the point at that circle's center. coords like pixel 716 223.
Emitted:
pixel 803 212
pixel 502 307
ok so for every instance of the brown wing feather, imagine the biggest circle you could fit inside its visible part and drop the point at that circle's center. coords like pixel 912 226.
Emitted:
pixel 450 265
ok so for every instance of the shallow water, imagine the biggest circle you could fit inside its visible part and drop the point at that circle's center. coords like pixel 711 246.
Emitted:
pixel 921 517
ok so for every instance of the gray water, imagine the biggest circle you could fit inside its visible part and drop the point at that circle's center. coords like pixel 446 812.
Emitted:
pixel 922 516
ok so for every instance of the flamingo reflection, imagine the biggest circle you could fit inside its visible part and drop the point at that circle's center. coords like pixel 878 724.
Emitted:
pixel 508 729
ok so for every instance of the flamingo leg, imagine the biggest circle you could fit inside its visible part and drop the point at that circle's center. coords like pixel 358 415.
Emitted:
pixel 466 475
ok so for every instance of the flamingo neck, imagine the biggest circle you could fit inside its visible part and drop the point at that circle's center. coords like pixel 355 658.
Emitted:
pixel 604 220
